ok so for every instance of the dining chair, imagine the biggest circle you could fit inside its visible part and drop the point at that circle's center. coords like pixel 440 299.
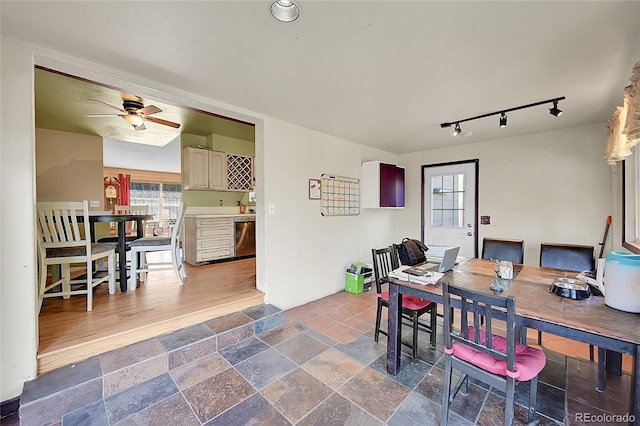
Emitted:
pixel 386 260
pixel 486 355
pixel 62 241
pixel 503 249
pixel 140 247
pixel 569 257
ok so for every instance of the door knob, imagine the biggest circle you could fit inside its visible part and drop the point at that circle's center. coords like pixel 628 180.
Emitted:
pixel 469 234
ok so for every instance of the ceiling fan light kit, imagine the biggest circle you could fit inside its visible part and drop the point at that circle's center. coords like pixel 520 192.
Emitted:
pixel 503 114
pixel 135 113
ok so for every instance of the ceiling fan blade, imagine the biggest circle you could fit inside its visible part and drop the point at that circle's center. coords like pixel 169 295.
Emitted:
pixel 148 110
pixel 105 115
pixel 164 122
pixel 109 105
pixel 140 127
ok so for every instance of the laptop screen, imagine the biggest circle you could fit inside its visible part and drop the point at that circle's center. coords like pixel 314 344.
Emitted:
pixel 449 259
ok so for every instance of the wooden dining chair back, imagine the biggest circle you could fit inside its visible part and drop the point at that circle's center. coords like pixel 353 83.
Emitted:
pixel 386 260
pixel 570 257
pixel 503 249
pixel 140 265
pixel 131 231
pixel 131 227
pixel 64 240
pixel 485 355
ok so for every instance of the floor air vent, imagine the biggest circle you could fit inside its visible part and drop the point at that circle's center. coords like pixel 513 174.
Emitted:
pixel 140 312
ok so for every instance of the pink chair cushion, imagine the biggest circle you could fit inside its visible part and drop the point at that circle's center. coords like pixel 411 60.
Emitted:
pixel 409 302
pixel 529 361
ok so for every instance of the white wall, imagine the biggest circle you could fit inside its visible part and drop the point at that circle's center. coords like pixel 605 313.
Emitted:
pixel 552 186
pixel 305 252
pixel 17 230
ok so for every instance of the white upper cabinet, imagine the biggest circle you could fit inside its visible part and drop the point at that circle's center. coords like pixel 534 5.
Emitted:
pixel 204 169
pixel 195 166
pixel 217 170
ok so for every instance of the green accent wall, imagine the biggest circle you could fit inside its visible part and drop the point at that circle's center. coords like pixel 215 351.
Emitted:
pixel 197 198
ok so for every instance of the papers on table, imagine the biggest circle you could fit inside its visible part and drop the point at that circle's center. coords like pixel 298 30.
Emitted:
pixel 427 278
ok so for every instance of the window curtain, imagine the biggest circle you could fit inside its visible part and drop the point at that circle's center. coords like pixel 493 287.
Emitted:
pixel 624 127
pixel 125 189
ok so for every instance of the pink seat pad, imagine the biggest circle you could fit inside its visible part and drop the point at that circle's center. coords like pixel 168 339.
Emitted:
pixel 409 302
pixel 529 361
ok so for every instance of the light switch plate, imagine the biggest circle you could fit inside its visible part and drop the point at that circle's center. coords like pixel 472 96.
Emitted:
pixel 94 203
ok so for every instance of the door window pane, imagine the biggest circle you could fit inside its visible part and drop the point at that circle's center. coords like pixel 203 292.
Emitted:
pixel 447 200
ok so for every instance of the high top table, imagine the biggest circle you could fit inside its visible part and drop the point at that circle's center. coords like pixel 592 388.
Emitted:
pixel 121 219
pixel 589 321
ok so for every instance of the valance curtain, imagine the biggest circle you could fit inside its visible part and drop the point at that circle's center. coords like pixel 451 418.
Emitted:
pixel 624 126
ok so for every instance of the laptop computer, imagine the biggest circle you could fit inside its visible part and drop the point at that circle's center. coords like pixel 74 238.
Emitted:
pixel 448 260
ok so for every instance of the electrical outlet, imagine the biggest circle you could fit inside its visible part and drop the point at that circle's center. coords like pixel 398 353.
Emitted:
pixel 94 203
pixel 220 202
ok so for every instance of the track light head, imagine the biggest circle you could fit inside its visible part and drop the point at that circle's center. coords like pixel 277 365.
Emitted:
pixel 555 111
pixel 457 130
pixel 503 119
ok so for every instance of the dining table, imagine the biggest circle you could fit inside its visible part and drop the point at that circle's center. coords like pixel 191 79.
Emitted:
pixel 121 219
pixel 588 320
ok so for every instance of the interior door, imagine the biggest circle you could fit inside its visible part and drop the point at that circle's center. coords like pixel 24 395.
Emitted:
pixel 450 206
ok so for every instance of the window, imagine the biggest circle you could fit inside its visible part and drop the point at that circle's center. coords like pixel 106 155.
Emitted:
pixel 447 200
pixel 163 200
pixel 631 202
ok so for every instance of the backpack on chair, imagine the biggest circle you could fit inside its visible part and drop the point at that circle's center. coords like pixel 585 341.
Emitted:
pixel 411 252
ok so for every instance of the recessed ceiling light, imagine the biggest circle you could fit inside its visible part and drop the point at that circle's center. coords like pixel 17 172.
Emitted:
pixel 285 10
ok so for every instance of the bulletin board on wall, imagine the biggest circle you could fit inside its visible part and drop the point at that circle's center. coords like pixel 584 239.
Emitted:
pixel 340 195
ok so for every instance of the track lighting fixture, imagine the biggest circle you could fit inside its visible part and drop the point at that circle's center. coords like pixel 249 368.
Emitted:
pixel 503 114
pixel 555 111
pixel 503 119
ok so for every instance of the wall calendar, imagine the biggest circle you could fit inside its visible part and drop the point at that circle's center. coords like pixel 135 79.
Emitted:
pixel 340 195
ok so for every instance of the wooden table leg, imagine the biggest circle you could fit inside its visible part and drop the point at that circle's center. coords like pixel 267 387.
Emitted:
pixel 394 333
pixel 122 256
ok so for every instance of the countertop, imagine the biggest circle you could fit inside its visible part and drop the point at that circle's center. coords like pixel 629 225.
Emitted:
pixel 217 212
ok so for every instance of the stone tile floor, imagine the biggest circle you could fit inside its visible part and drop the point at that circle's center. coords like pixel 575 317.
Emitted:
pixel 320 367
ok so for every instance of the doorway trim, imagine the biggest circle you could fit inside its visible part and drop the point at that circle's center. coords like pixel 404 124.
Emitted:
pixel 423 169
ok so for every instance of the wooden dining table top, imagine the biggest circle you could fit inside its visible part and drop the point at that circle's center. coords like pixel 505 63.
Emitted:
pixel 530 287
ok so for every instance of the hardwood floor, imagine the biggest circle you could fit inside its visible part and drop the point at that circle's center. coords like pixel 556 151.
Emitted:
pixel 68 333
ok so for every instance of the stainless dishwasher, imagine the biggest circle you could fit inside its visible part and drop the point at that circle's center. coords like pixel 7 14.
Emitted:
pixel 245 235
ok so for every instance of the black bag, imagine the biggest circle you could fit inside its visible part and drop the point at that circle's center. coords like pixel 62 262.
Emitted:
pixel 411 252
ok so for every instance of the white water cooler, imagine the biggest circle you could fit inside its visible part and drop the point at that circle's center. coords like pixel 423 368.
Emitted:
pixel 622 281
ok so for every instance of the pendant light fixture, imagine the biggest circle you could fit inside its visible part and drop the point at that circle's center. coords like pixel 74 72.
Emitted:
pixel 503 114
pixel 285 10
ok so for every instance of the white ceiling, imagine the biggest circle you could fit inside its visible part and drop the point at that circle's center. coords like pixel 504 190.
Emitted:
pixel 382 73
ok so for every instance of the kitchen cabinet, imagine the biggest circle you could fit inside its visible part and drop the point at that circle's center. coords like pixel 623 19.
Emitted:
pixel 382 185
pixel 208 238
pixel 205 169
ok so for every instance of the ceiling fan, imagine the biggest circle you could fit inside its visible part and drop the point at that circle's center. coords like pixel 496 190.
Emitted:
pixel 134 112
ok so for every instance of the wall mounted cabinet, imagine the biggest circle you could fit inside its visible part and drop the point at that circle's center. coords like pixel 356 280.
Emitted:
pixel 382 185
pixel 204 169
